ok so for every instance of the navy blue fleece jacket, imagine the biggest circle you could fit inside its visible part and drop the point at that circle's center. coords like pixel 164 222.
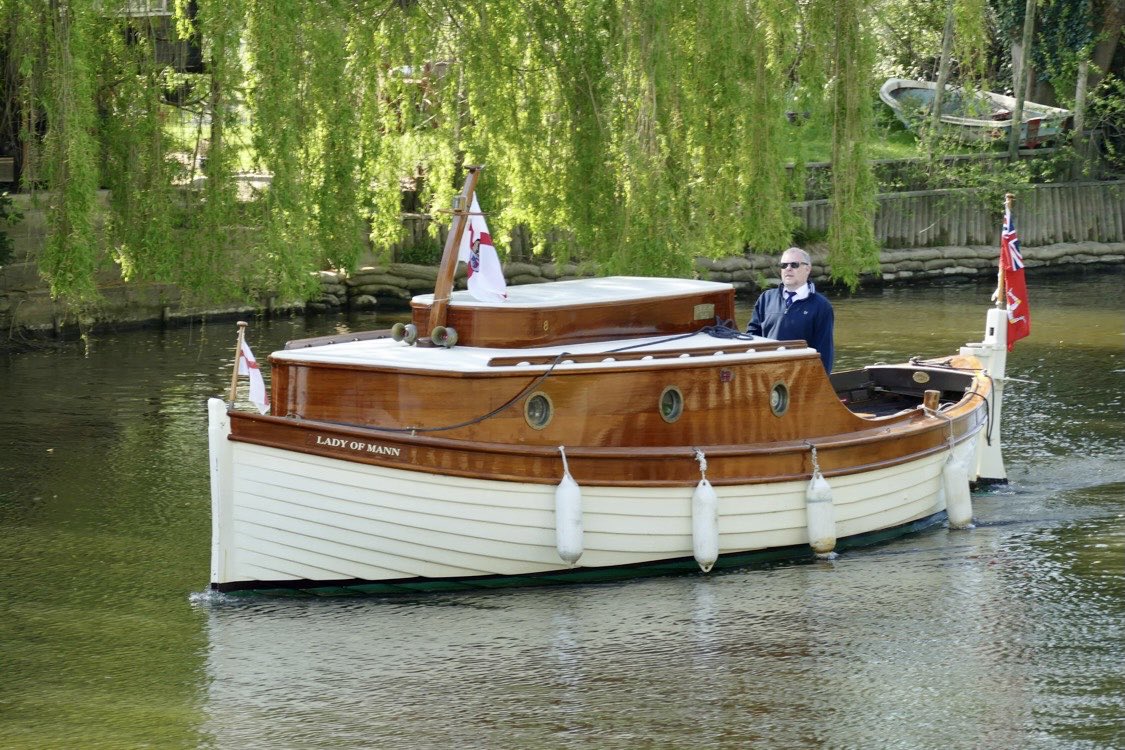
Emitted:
pixel 810 319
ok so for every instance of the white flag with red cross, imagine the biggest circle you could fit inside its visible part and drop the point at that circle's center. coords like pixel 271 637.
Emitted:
pixel 247 365
pixel 486 278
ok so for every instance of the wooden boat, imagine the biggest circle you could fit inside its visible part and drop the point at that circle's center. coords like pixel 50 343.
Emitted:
pixel 977 115
pixel 582 430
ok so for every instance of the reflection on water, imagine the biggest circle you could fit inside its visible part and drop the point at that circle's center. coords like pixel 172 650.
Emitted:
pixel 940 640
pixel 1009 635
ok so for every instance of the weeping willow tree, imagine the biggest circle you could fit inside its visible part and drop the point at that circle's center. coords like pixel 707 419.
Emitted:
pixel 638 133
pixel 55 47
pixel 843 59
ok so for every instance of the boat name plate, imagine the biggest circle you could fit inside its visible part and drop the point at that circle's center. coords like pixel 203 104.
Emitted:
pixel 921 377
pixel 355 446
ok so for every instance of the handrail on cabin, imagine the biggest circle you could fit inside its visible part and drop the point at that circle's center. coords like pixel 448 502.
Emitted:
pixel 638 354
pixel 337 338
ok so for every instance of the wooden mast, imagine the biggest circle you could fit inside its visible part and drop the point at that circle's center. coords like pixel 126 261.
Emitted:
pixel 443 287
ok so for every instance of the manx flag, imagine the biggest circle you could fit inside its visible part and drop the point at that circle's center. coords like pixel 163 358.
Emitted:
pixel 247 365
pixel 1015 285
pixel 486 278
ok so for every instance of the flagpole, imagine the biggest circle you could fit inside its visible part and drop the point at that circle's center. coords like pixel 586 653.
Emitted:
pixel 237 356
pixel 1001 291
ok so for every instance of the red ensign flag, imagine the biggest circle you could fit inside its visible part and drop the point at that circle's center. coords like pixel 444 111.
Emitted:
pixel 1015 285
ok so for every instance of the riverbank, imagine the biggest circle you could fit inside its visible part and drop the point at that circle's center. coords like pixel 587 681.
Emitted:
pixel 391 286
pixel 28 314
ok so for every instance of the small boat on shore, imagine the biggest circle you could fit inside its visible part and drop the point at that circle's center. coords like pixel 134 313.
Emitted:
pixel 976 115
pixel 583 430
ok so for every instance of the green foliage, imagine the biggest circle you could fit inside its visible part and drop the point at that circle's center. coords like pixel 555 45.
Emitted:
pixel 909 35
pixel 426 253
pixel 70 148
pixel 636 134
pixel 1064 34
pixel 804 236
pixel 9 215
pixel 1106 116
pixel 852 246
pixel 970 38
pixel 135 164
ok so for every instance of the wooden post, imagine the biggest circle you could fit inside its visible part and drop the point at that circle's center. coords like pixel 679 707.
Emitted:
pixel 237 358
pixel 443 287
pixel 930 399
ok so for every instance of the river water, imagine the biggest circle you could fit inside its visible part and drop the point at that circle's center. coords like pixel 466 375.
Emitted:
pixel 1008 635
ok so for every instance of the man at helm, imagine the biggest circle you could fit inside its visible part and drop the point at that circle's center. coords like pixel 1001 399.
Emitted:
pixel 794 309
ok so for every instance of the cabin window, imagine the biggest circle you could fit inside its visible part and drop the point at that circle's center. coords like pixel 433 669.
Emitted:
pixel 671 404
pixel 779 399
pixel 538 410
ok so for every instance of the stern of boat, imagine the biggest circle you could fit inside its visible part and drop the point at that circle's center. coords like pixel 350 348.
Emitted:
pixel 992 352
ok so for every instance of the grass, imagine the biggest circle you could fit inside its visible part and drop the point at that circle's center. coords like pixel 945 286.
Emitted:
pixel 190 132
pixel 885 142
pixel 889 139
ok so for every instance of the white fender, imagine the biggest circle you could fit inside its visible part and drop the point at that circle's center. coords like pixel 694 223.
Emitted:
pixel 704 519
pixel 821 515
pixel 958 502
pixel 568 516
pixel 705 525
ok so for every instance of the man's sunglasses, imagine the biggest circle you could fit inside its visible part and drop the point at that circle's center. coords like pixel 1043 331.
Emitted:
pixel 794 264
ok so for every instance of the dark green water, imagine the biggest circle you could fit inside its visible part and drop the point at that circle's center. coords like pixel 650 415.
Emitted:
pixel 1008 635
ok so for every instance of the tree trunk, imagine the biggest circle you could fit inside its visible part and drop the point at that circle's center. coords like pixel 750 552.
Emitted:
pixel 942 79
pixel 1018 84
pixel 1080 104
pixel 1109 35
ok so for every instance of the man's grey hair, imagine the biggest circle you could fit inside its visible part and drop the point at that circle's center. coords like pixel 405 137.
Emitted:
pixel 804 255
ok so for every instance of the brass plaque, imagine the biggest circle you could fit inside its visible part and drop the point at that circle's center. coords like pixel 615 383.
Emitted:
pixel 705 312
pixel 921 377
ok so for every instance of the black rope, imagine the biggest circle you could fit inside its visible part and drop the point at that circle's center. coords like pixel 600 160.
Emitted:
pixel 987 410
pixel 722 329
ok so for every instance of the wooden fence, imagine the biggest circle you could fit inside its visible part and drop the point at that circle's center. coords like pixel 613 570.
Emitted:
pixel 1044 214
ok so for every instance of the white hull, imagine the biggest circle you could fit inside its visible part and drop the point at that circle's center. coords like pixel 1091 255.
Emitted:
pixel 282 516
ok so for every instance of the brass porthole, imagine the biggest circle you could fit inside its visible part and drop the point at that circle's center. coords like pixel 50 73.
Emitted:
pixel 671 404
pixel 779 399
pixel 538 410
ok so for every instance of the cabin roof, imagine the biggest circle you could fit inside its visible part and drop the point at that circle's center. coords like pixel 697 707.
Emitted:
pixel 584 292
